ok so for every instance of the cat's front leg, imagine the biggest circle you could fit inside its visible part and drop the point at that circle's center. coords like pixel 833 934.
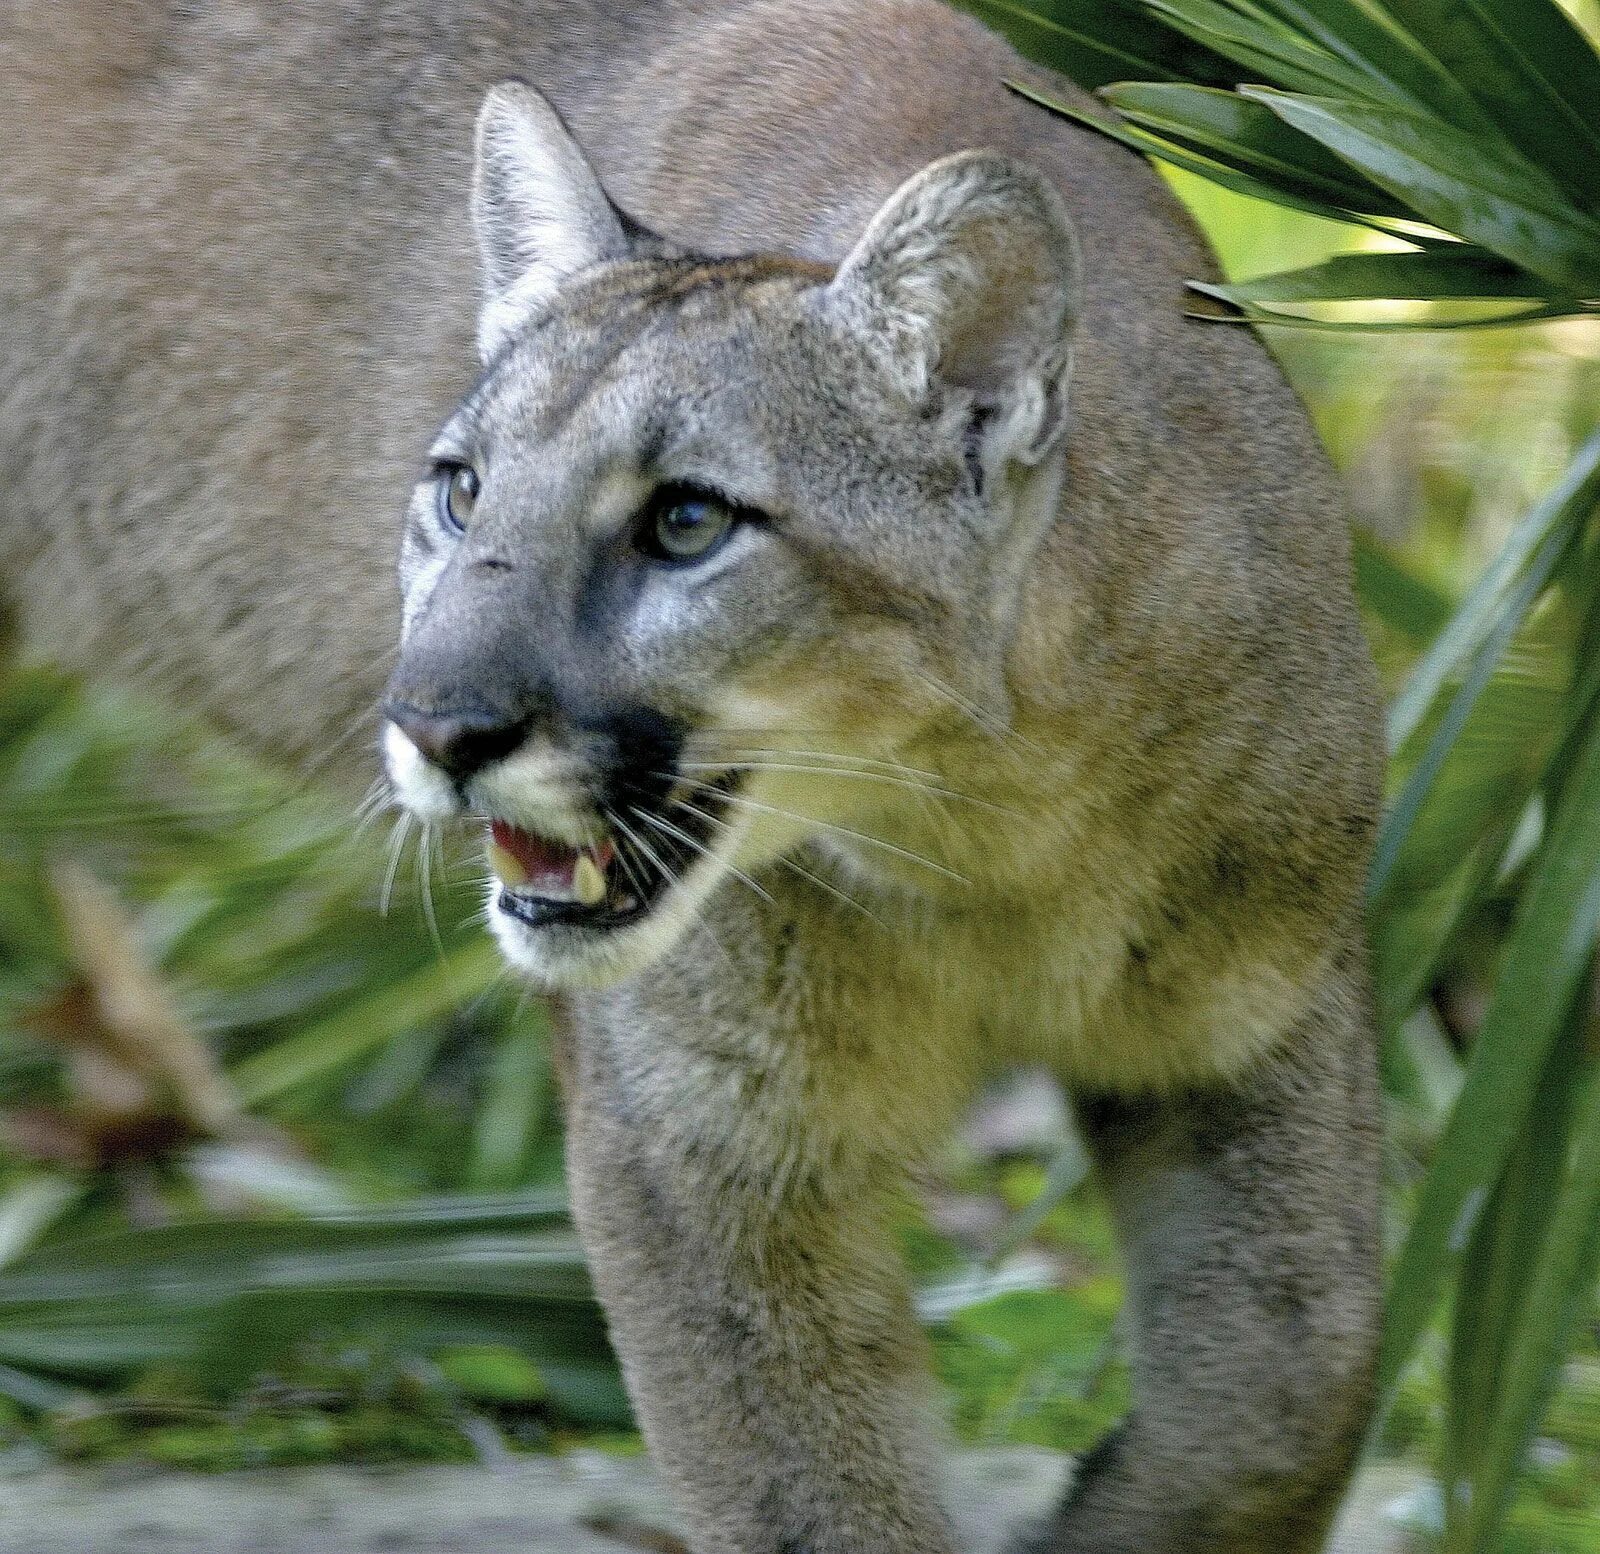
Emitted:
pixel 759 1308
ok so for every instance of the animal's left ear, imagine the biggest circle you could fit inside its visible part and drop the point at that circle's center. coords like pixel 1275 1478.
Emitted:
pixel 538 210
pixel 968 277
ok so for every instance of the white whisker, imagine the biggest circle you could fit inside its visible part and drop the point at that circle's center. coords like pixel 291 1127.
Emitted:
pixel 828 825
pixel 677 882
pixel 794 752
pixel 426 845
pixel 397 843
pixel 982 719
pixel 663 824
pixel 804 873
pixel 833 771
pixel 641 889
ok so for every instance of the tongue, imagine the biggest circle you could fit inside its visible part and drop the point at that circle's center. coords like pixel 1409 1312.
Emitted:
pixel 527 861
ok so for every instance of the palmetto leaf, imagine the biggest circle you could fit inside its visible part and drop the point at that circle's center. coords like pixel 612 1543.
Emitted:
pixel 1250 137
pixel 1556 1286
pixel 1263 51
pixel 1546 959
pixel 1536 69
pixel 1563 510
pixel 1094 41
pixel 1458 182
pixel 430 1274
pixel 1442 274
pixel 1227 175
pixel 1373 40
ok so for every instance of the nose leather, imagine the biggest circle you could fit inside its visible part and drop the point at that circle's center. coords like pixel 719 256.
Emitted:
pixel 460 744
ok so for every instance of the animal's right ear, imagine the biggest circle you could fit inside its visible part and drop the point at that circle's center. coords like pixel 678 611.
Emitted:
pixel 538 210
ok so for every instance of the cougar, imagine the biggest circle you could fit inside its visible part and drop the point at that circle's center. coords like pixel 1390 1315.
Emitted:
pixel 882 639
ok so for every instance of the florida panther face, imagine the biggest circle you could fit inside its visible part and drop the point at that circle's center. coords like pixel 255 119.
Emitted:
pixel 708 530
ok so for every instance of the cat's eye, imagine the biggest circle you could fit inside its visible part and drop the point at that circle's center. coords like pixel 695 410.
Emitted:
pixel 458 494
pixel 682 525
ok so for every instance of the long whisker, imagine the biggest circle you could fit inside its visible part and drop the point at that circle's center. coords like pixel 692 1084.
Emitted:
pixel 804 873
pixel 828 825
pixel 978 716
pixel 378 798
pixel 794 752
pixel 618 823
pixel 425 852
pixel 676 880
pixel 836 771
pixel 397 843
pixel 661 823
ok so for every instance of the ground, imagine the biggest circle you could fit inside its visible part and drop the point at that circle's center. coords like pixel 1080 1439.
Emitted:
pixel 583 1503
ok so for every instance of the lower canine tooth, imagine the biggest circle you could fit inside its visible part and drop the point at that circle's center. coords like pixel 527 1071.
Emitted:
pixel 588 881
pixel 506 867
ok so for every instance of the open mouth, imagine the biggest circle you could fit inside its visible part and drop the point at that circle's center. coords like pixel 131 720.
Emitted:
pixel 617 878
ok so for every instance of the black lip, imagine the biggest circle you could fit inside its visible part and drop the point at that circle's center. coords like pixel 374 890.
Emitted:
pixel 537 912
pixel 638 867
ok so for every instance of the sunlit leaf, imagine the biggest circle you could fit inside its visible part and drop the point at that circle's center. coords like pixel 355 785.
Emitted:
pixel 1485 193
pixel 1544 965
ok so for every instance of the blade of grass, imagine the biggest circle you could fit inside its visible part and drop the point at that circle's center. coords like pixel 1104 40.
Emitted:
pixel 1543 967
pixel 1567 503
pixel 1496 1276
pixel 430 992
pixel 1559 1289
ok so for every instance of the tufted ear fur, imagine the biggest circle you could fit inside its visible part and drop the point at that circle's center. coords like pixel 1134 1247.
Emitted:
pixel 968 278
pixel 538 210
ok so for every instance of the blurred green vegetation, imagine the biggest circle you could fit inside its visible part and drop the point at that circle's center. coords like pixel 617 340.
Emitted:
pixel 280 1173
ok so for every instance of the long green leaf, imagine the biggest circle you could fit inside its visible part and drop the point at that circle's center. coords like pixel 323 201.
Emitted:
pixel 1249 136
pixel 1456 181
pixel 1095 41
pixel 1567 504
pixel 1513 611
pixel 427 994
pixel 232 1293
pixel 1372 39
pixel 1265 53
pixel 1496 1276
pixel 1141 140
pixel 1543 967
pixel 1532 69
pixel 1422 276
pixel 513 1105
pixel 1403 601
pixel 1559 1290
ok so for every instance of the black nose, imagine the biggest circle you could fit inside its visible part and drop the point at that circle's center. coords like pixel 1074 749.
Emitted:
pixel 460 744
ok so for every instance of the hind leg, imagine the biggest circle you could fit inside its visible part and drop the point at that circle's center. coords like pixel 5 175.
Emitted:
pixel 1248 1215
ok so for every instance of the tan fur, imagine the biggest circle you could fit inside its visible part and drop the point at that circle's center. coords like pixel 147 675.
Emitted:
pixel 240 295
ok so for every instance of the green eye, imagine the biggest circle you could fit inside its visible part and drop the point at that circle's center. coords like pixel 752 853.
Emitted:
pixel 458 493
pixel 684 526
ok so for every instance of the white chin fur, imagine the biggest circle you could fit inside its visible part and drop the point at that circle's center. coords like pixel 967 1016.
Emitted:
pixel 421 788
pixel 574 958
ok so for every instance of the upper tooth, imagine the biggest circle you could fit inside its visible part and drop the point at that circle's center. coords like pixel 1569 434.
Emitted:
pixel 508 870
pixel 589 880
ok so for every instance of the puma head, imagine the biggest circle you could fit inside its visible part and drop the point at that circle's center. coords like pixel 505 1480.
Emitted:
pixel 703 519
